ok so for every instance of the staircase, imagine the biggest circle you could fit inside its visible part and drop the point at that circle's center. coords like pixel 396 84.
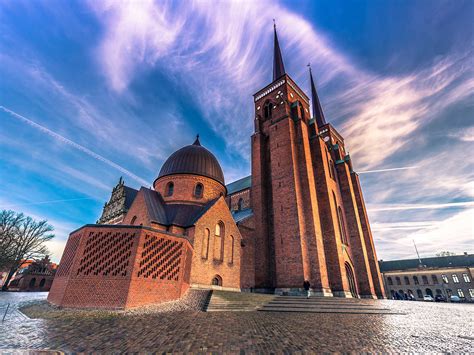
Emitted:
pixel 324 305
pixel 222 301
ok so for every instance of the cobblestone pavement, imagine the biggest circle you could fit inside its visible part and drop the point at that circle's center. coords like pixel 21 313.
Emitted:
pixel 425 327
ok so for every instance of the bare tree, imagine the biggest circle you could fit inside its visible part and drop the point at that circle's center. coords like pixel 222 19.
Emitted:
pixel 21 238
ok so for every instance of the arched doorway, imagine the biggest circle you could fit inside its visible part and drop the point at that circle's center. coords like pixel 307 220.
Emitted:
pixel 216 281
pixel 42 282
pixel 32 282
pixel 351 280
pixel 429 292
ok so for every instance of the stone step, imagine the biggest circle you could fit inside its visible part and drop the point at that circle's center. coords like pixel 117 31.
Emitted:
pixel 308 304
pixel 329 310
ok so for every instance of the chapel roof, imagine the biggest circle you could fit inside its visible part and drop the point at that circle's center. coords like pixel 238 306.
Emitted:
pixel 193 159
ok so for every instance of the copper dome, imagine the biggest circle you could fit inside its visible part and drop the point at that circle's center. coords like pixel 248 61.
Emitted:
pixel 193 159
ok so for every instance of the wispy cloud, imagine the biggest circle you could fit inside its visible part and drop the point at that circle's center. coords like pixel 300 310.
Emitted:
pixel 420 206
pixel 75 145
pixel 385 170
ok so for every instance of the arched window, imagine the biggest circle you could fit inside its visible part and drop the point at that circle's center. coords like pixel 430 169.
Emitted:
pixel 205 244
pixel 425 280
pixel 332 169
pixel 351 280
pixel 42 282
pixel 267 110
pixel 33 282
pixel 230 250
pixel 198 190
pixel 420 294
pixel 389 280
pixel 434 278
pixel 407 280
pixel 219 242
pixel 429 292
pixel 169 189
pixel 216 281
pixel 399 282
pixel 415 280
pixel 134 218
pixel 240 204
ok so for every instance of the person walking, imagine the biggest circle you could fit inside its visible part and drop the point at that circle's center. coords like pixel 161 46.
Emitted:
pixel 306 286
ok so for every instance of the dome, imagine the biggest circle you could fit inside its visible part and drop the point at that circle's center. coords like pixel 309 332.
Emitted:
pixel 193 159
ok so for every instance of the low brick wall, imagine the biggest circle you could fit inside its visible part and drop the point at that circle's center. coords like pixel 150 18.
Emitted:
pixel 107 266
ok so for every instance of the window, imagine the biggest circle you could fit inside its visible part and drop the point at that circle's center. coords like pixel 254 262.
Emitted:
pixel 455 279
pixel 341 225
pixel 445 279
pixel 169 189
pixel 33 282
pixel 415 280
pixel 460 293
pixel 439 292
pixel 219 242
pixel 389 280
pixel 240 204
pixel 231 250
pixel 466 278
pixel 425 279
pixel 429 292
pixel 198 190
pixel 268 110
pixel 205 244
pixel 471 292
pixel 407 280
pixel 42 282
pixel 420 293
pixel 399 282
pixel 217 281
pixel 434 278
pixel 134 218
pixel 332 171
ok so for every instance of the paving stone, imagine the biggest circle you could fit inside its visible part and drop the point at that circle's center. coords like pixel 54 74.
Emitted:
pixel 423 327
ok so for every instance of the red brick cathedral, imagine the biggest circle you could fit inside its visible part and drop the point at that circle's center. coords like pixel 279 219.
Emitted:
pixel 299 216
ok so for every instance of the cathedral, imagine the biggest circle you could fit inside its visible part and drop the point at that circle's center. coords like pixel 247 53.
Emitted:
pixel 299 217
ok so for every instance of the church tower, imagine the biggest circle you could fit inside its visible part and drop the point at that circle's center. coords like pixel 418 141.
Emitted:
pixel 288 234
pixel 310 218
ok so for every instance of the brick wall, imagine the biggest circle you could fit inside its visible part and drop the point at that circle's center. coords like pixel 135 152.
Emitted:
pixel 121 268
pixel 206 265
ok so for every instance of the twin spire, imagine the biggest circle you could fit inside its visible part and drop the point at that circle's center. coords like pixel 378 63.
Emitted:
pixel 279 70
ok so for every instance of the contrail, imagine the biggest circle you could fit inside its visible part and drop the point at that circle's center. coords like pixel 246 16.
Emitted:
pixel 50 201
pixel 76 145
pixel 383 170
pixel 422 206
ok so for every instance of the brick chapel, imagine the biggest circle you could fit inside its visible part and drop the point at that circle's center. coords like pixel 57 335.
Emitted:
pixel 299 216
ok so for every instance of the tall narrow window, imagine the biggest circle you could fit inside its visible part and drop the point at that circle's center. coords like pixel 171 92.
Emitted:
pixel 341 225
pixel 268 110
pixel 455 278
pixel 134 218
pixel 407 280
pixel 169 189
pixel 198 190
pixel 389 280
pixel 415 280
pixel 231 250
pixel 205 244
pixel 399 282
pixel 425 280
pixel 466 278
pixel 219 242
pixel 460 293
pixel 434 278
pixel 445 279
pixel 240 204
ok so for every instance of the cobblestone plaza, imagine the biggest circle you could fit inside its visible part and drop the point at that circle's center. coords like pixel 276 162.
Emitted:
pixel 410 327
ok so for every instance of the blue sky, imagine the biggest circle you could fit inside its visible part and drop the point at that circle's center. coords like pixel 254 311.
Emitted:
pixel 90 91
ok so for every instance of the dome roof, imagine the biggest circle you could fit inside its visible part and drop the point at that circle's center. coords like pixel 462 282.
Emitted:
pixel 193 159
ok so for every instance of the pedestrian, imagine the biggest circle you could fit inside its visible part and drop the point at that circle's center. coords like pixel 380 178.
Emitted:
pixel 306 286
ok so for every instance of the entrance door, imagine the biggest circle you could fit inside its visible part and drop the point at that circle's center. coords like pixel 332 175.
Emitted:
pixel 351 280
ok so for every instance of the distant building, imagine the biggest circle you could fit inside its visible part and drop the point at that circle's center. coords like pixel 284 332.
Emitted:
pixel 444 275
pixel 34 276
